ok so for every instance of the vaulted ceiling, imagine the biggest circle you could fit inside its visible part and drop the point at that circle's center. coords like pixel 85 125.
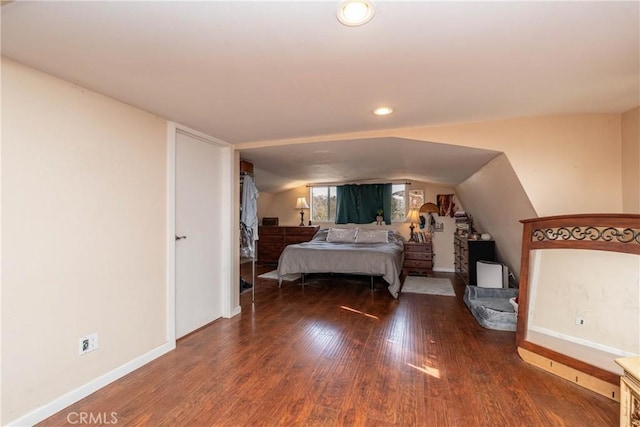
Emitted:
pixel 263 71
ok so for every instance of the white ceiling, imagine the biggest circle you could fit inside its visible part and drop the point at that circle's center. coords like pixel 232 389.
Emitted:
pixel 260 71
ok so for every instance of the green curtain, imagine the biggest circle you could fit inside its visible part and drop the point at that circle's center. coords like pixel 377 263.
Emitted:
pixel 346 204
pixel 359 204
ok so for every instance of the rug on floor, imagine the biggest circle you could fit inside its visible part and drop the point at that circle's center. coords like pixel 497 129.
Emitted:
pixel 273 274
pixel 428 285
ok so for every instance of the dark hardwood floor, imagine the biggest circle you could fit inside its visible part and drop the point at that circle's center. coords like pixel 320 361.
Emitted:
pixel 334 353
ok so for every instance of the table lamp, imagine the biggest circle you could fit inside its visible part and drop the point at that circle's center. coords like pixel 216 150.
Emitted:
pixel 413 217
pixel 301 204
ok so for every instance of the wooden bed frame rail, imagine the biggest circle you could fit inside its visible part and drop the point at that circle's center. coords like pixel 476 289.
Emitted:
pixel 605 232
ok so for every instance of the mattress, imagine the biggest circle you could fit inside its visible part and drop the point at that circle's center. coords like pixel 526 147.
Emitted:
pixel 321 256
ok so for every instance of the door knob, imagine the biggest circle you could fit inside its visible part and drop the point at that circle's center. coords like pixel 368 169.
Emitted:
pixel 180 237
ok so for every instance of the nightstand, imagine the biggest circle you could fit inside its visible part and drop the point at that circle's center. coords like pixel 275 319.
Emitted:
pixel 418 258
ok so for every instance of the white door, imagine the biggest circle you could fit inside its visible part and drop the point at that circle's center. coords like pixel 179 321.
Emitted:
pixel 198 230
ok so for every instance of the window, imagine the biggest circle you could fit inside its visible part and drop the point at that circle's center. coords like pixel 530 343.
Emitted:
pixel 323 204
pixel 398 206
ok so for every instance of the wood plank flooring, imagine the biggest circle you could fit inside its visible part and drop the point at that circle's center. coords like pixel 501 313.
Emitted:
pixel 334 353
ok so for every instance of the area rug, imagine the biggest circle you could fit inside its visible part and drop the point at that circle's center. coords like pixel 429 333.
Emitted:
pixel 273 274
pixel 428 285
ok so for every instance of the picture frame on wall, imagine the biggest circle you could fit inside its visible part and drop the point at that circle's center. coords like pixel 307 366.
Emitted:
pixel 416 199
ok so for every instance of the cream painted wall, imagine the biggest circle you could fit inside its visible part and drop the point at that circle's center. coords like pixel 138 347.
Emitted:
pixel 602 287
pixel 264 205
pixel 83 236
pixel 631 161
pixel 495 199
pixel 565 163
pixel 281 205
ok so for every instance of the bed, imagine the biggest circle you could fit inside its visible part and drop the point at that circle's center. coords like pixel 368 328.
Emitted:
pixel 348 251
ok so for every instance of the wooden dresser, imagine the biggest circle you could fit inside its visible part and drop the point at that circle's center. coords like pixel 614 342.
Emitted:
pixel 467 252
pixel 630 392
pixel 418 258
pixel 273 239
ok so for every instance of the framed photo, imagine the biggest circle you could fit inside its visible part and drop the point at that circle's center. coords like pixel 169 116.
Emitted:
pixel 416 199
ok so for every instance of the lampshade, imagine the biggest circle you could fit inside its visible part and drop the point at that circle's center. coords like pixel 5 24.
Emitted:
pixel 413 216
pixel 429 208
pixel 301 203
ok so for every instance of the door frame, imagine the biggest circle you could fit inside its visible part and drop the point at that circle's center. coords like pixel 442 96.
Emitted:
pixel 226 217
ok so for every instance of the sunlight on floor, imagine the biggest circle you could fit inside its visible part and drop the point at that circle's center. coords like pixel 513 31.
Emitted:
pixel 427 370
pixel 344 307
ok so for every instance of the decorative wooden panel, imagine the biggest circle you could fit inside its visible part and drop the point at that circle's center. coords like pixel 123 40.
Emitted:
pixel 604 232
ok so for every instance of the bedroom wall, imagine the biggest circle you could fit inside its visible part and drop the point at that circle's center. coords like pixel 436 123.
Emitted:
pixel 281 205
pixel 631 161
pixel 565 163
pixel 83 236
pixel 600 287
pixel 496 200
pixel 265 201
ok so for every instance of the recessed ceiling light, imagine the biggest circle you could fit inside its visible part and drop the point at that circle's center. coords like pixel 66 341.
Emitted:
pixel 383 111
pixel 355 12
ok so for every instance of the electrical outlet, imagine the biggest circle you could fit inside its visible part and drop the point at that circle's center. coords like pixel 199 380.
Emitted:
pixel 580 321
pixel 88 343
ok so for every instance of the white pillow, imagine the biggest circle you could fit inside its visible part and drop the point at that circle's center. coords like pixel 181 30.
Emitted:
pixel 372 236
pixel 342 235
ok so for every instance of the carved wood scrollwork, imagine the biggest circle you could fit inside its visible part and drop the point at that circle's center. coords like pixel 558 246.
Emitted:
pixel 608 234
pixel 615 232
pixel 635 412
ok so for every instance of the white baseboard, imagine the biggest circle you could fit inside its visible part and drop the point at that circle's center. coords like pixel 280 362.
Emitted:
pixel 597 346
pixel 55 406
pixel 236 311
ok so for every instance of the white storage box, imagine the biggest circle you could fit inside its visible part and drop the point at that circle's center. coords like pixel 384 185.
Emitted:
pixel 492 275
